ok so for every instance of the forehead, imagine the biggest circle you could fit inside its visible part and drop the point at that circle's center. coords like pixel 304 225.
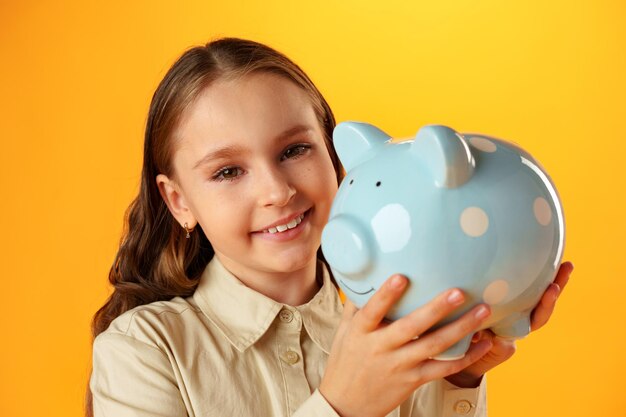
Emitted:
pixel 248 110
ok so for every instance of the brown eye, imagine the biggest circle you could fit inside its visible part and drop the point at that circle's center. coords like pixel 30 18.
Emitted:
pixel 228 173
pixel 295 151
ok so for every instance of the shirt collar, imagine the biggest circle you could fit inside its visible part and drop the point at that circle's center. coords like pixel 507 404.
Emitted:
pixel 243 315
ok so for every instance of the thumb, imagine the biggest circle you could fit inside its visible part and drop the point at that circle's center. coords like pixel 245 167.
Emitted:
pixel 349 310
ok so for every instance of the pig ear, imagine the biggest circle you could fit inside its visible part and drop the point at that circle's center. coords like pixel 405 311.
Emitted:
pixel 446 155
pixel 356 142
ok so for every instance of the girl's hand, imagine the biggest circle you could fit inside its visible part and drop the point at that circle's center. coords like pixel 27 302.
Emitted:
pixel 374 366
pixel 503 349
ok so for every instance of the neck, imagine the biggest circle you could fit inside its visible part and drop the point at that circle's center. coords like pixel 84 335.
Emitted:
pixel 292 288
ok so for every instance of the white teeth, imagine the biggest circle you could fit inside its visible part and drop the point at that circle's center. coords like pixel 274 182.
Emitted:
pixel 281 228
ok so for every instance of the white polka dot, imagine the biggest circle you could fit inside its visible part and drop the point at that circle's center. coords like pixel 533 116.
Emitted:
pixel 496 292
pixel 392 227
pixel 543 214
pixel 483 144
pixel 474 221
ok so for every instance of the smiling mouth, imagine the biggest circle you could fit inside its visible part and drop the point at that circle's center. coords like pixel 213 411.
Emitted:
pixel 292 224
pixel 283 227
pixel 357 292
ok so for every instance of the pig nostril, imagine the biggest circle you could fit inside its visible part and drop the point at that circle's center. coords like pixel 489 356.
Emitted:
pixel 378 184
pixel 351 181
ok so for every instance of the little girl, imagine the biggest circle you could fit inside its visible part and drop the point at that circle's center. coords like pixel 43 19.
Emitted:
pixel 223 302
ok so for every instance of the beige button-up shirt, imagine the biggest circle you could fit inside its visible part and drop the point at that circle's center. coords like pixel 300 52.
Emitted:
pixel 230 351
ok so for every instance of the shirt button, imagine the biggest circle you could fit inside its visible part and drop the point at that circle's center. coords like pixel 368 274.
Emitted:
pixel 462 407
pixel 290 357
pixel 285 315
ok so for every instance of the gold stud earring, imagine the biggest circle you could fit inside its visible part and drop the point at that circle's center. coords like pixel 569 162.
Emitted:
pixel 187 230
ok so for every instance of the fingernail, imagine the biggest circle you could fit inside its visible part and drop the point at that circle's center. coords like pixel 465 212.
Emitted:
pixel 397 281
pixel 482 312
pixel 455 297
pixel 557 288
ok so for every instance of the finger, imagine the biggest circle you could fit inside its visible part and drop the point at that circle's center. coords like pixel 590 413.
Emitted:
pixel 562 276
pixel 542 313
pixel 421 319
pixel 486 334
pixel 508 343
pixel 349 310
pixel 432 369
pixel 432 344
pixel 370 316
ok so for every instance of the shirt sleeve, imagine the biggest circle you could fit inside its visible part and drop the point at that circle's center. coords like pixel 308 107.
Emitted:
pixel 442 399
pixel 315 406
pixel 132 378
pixel 438 398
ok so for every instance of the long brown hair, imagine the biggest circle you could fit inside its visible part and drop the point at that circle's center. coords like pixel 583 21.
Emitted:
pixel 155 261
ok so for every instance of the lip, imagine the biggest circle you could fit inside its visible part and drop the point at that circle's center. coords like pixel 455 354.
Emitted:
pixel 284 220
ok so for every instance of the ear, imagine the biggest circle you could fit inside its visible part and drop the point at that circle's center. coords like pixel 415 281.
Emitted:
pixel 356 142
pixel 446 155
pixel 175 201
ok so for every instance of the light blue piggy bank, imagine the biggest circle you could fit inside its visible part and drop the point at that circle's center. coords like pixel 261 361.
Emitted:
pixel 446 210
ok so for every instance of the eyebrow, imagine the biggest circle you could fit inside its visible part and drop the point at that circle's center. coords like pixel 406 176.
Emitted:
pixel 232 150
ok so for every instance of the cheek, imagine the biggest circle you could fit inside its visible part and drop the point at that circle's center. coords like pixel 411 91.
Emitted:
pixel 329 179
pixel 322 182
pixel 223 215
pixel 225 235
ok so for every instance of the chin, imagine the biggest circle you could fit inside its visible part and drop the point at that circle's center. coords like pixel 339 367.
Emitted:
pixel 290 262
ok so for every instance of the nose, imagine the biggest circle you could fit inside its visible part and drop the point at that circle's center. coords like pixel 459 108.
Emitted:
pixel 274 188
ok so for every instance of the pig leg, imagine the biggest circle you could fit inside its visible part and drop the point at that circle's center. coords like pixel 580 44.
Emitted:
pixel 456 351
pixel 516 326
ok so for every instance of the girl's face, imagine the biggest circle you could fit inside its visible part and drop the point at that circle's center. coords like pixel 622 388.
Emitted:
pixel 251 162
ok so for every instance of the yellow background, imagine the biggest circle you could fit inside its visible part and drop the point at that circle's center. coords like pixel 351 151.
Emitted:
pixel 76 78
